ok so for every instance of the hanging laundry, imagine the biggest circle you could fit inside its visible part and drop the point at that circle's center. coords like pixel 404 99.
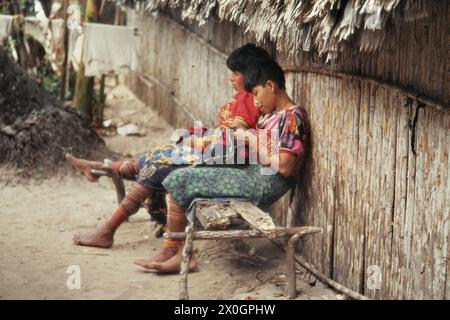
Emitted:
pixel 74 17
pixel 55 51
pixel 73 38
pixel 76 49
pixel 37 29
pixel 5 26
pixel 75 29
pixel 108 48
pixel 50 34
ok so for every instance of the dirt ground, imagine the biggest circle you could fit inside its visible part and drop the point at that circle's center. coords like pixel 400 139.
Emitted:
pixel 39 218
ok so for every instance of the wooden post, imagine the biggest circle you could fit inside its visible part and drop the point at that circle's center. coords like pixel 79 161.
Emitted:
pixel 18 35
pixel 290 266
pixel 64 73
pixel 187 251
pixel 84 89
pixel 117 22
pixel 100 104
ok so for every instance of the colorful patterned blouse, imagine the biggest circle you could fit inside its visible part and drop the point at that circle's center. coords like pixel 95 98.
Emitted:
pixel 293 131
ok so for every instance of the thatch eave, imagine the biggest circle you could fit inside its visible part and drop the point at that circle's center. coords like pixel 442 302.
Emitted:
pixel 325 26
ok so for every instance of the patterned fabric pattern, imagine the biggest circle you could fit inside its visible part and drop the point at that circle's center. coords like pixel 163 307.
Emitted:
pixel 293 128
pixel 154 166
pixel 186 184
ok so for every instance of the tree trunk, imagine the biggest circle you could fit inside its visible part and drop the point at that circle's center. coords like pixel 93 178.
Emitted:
pixel 84 89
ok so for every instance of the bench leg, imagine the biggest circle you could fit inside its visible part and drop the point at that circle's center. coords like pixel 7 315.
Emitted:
pixel 290 266
pixel 187 252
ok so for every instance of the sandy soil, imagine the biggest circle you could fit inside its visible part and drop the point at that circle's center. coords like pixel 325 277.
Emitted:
pixel 39 218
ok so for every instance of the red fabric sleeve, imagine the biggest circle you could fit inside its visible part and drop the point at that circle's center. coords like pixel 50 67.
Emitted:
pixel 244 109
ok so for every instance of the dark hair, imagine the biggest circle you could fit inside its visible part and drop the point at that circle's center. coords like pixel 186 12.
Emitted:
pixel 246 55
pixel 260 73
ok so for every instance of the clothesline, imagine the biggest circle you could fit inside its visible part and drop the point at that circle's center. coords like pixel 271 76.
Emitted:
pixel 106 49
pixel 101 48
pixel 49 33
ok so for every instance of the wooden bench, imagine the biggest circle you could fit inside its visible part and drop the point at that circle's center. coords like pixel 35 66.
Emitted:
pixel 218 216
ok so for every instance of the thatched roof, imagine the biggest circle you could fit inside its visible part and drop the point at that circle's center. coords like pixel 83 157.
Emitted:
pixel 326 26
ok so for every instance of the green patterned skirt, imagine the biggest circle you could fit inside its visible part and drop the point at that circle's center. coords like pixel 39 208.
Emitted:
pixel 186 184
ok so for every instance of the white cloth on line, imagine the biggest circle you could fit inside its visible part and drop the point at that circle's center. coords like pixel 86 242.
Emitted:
pixel 37 29
pixel 109 48
pixel 73 38
pixel 5 26
pixel 76 53
pixel 50 34
pixel 55 51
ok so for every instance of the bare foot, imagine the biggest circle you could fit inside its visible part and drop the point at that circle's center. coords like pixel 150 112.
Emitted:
pixel 103 237
pixel 173 265
pixel 163 255
pixel 84 166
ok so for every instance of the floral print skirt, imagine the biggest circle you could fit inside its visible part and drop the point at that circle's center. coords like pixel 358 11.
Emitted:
pixel 249 182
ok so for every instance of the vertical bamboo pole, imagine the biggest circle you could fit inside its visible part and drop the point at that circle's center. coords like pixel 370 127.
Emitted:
pixel 64 73
pixel 290 266
pixel 84 88
pixel 187 251
pixel 99 107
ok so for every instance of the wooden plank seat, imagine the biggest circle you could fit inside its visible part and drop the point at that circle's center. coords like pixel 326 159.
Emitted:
pixel 224 219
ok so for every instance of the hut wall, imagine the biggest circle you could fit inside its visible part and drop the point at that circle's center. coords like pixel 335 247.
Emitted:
pixel 383 205
pixel 181 75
